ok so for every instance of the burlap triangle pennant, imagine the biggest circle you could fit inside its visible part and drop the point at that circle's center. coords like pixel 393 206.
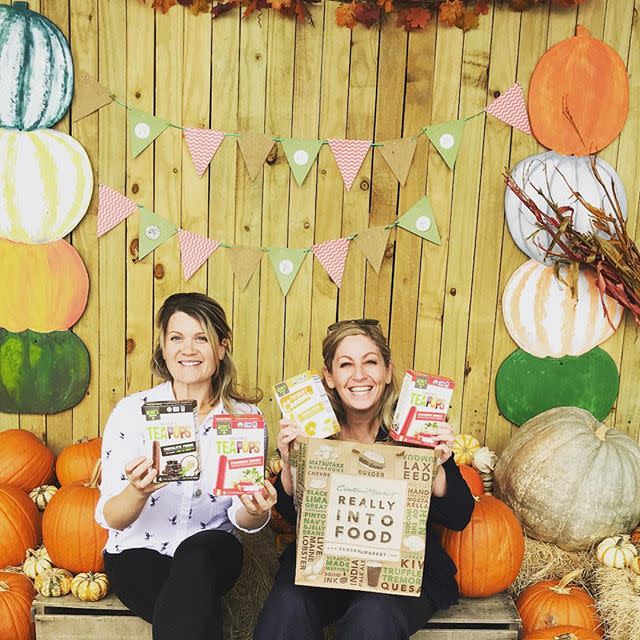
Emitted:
pixel 194 251
pixel 244 261
pixel 301 155
pixel 373 243
pixel 88 96
pixel 153 231
pixel 255 148
pixel 399 156
pixel 144 129
pixel 419 220
pixel 286 263
pixel 349 155
pixel 113 208
pixel 511 108
pixel 332 255
pixel 203 144
pixel 446 138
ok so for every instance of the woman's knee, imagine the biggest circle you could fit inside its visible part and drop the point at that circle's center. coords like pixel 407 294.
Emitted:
pixel 376 617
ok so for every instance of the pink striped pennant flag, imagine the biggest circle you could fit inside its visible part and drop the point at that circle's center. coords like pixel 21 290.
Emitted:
pixel 113 208
pixel 511 108
pixel 203 144
pixel 349 155
pixel 332 255
pixel 194 251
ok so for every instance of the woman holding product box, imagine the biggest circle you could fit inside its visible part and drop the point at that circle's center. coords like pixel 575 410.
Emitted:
pixel 171 552
pixel 358 374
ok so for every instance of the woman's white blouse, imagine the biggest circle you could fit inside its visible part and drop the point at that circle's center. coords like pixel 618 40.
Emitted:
pixel 177 510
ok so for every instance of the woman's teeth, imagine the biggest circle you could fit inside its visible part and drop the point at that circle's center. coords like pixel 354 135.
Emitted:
pixel 189 363
pixel 360 391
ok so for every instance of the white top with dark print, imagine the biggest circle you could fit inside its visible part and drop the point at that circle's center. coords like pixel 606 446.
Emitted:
pixel 177 510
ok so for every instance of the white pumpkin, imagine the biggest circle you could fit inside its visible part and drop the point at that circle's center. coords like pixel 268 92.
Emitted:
pixel 42 495
pixel 545 320
pixel 616 552
pixel 569 479
pixel 47 185
pixel 36 563
pixel 557 177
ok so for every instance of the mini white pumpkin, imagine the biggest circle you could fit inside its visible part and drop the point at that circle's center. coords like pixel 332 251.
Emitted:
pixel 42 495
pixel 36 563
pixel 484 460
pixel 616 552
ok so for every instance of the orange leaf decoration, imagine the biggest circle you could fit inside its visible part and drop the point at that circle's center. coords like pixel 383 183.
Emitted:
pixel 163 5
pixel 416 18
pixel 450 12
pixel 346 15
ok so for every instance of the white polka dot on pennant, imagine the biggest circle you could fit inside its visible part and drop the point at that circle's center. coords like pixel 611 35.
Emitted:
pixel 152 232
pixel 423 223
pixel 142 130
pixel 301 157
pixel 447 141
pixel 285 267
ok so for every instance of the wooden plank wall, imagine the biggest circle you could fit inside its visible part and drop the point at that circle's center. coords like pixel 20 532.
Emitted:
pixel 440 305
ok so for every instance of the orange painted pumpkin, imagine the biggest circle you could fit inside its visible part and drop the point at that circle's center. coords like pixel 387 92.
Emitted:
pixel 473 479
pixel 586 79
pixel 71 535
pixel 551 603
pixel 19 525
pixel 489 552
pixel 25 462
pixel 51 276
pixel 77 461
pixel 563 632
pixel 16 595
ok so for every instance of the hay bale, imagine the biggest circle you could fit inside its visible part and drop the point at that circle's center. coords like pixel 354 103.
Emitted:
pixel 242 605
pixel 617 593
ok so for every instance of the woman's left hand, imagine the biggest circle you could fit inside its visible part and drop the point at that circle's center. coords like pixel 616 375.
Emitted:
pixel 257 504
pixel 444 439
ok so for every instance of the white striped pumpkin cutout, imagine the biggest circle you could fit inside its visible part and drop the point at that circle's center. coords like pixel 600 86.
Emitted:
pixel 557 177
pixel 545 320
pixel 47 185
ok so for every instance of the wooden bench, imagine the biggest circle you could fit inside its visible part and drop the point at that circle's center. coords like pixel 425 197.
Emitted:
pixel 67 618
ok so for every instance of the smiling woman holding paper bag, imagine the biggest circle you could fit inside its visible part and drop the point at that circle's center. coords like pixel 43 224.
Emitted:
pixel 171 553
pixel 358 374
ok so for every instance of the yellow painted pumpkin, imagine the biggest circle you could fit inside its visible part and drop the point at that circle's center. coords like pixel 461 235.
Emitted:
pixel 616 552
pixel 464 447
pixel 41 495
pixel 36 563
pixel 51 276
pixel 90 587
pixel 53 583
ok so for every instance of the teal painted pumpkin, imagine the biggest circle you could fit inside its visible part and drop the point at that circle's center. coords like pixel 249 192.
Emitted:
pixel 42 372
pixel 526 386
pixel 36 82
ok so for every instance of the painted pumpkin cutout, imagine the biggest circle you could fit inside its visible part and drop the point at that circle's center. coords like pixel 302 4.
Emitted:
pixel 52 277
pixel 557 177
pixel 544 319
pixel 36 83
pixel 585 79
pixel 47 184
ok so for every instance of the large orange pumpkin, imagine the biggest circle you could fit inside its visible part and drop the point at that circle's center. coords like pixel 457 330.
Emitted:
pixel 563 632
pixel 77 461
pixel 489 552
pixel 586 79
pixel 19 525
pixel 473 479
pixel 551 603
pixel 71 535
pixel 16 595
pixel 25 462
pixel 52 277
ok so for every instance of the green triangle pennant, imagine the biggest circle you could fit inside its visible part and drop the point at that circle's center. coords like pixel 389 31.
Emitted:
pixel 301 155
pixel 286 264
pixel 144 129
pixel 446 139
pixel 419 220
pixel 153 231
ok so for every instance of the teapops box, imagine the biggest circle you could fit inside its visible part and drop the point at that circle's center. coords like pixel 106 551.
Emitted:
pixel 171 438
pixel 422 407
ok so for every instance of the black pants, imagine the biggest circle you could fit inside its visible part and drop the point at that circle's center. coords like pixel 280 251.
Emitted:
pixel 293 612
pixel 180 596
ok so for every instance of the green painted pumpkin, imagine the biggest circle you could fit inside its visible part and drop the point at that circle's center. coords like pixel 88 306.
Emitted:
pixel 36 83
pixel 42 372
pixel 527 386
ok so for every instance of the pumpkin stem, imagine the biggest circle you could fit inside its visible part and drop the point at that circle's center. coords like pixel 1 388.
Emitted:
pixel 582 31
pixel 83 440
pixel 95 475
pixel 566 636
pixel 601 432
pixel 4 586
pixel 561 587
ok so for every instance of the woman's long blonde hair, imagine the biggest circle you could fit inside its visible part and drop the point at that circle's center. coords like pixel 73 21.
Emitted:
pixel 209 313
pixel 386 406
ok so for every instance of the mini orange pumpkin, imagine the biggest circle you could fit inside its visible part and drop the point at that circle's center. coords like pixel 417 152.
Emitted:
pixel 20 526
pixel 564 632
pixel 76 462
pixel 25 462
pixel 16 594
pixel 473 479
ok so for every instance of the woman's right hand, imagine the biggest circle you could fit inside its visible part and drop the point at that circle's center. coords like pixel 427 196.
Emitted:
pixel 141 476
pixel 289 431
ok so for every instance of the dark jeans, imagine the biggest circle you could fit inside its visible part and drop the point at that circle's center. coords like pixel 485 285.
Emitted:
pixel 293 612
pixel 180 596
